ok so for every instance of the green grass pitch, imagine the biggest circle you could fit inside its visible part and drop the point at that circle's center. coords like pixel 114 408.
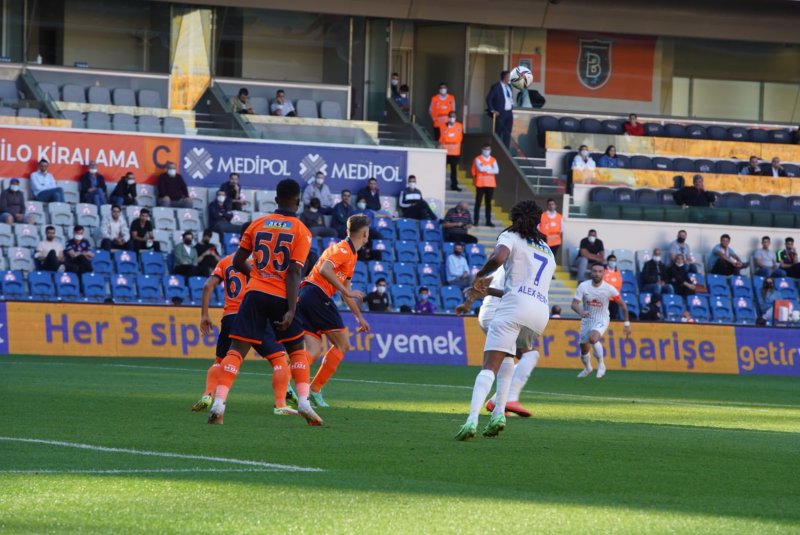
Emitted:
pixel 633 453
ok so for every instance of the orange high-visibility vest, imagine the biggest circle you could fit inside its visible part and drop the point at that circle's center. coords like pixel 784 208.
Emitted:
pixel 481 179
pixel 441 108
pixel 614 278
pixel 551 227
pixel 451 137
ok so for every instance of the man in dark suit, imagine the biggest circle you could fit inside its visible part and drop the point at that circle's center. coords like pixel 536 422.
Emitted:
pixel 499 104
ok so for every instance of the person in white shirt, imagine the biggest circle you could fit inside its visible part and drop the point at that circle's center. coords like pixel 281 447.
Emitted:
pixel 114 230
pixel 776 169
pixel 582 160
pixel 43 185
pixel 50 252
pixel 523 310
pixel 282 107
pixel 458 268
pixel 591 304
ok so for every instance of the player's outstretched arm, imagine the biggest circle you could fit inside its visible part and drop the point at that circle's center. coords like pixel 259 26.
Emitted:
pixel 208 288
pixel 326 270
pixel 627 324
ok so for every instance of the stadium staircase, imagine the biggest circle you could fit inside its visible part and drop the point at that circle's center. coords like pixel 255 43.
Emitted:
pixel 541 178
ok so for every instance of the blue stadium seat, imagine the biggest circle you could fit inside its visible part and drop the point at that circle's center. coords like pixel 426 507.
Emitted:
pixel 431 231
pixel 447 248
pixel 612 127
pixel 406 251
pixel 776 203
pixel 218 299
pixel 717 133
pixel 721 309
pixel 644 299
pixel 653 129
pixel 758 135
pixel 126 262
pixel 673 306
pixel 429 274
pixel 13 284
pixel 451 297
pixel 737 133
pixel 40 285
pixel 591 126
pixel 149 288
pixel 403 295
pixel 360 273
pixel 726 167
pixel 547 122
pixel 407 229
pixel 230 242
pixel 742 287
pixel 780 136
pixel 718 285
pixel 385 226
pixel 196 289
pixel 601 195
pixel 624 195
pixel 730 200
pixel 569 124
pixel 379 269
pixel 405 273
pixel 632 302
pixel 385 248
pixel 758 282
pixel 661 163
pixel 783 285
pixel 175 287
pixel 647 196
pixel 754 201
pixel 629 282
pixel 665 197
pixel 698 307
pixel 67 286
pixel 696 131
pixel 683 165
pixel 476 254
pixel 641 162
pixel 153 263
pixel 744 311
pixel 101 262
pixel 675 130
pixel 429 252
pixel 705 166
pixel 123 288
pixel 697 278
pixel 94 286
pixel 327 242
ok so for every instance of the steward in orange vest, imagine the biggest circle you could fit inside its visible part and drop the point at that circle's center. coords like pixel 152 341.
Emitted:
pixel 450 138
pixel 441 105
pixel 550 226
pixel 484 170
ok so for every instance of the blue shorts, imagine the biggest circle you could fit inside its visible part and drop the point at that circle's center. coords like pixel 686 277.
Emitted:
pixel 266 349
pixel 256 318
pixel 318 311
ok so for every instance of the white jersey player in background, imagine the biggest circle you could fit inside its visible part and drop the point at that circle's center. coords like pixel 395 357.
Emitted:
pixel 591 304
pixel 524 308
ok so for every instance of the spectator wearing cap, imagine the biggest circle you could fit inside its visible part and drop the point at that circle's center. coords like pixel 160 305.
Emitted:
pixel 695 195
pixel 43 184
pixel 424 304
pixel 241 102
pixel 78 253
pixel 313 219
pixel 124 193
pixel 50 252
pixel 92 187
pixel 318 189
pixel 185 256
pixel 458 273
pixel 378 300
pixel 172 190
pixel 456 224
pixel 12 204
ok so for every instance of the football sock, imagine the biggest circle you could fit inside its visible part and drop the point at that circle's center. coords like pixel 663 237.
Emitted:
pixel 483 384
pixel 493 399
pixel 212 377
pixel 329 364
pixel 301 374
pixel 280 380
pixel 587 362
pixel 522 371
pixel 599 353
pixel 504 375
pixel 227 374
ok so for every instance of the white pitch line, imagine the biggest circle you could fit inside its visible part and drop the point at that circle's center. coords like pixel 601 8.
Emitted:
pixel 142 471
pixel 78 445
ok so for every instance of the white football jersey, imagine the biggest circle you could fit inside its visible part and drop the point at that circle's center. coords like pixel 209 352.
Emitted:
pixel 490 303
pixel 529 269
pixel 595 299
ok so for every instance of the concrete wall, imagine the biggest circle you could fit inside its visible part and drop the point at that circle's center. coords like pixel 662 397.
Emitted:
pixel 428 165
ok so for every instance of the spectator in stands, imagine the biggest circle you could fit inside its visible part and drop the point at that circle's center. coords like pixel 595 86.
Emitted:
pixel 484 177
pixel 411 202
pixel 609 158
pixel 342 211
pixel 776 169
pixel 789 261
pixel 371 194
pixel 401 99
pixel 452 135
pixel 49 254
pixel 456 224
pixel 632 126
pixel 220 215
pixel 550 226
pixel 172 190
pixel 767 264
pixel 695 195
pixel 12 204
pixel 442 104
pixel 318 189
pixel 582 160
pixel 78 253
pixel 424 304
pixel 233 192
pixel 680 247
pixel 43 185
pixel 752 167
pixel 591 251
pixel 458 273
pixel 378 300
pixel 142 233
pixel 281 107
pixel 114 230
pixel 613 276
pixel 184 256
pixel 651 311
pixel 678 276
pixel 362 207
pixel 723 259
pixel 124 193
pixel 92 187
pixel 394 83
pixel 766 300
pixel 313 219
pixel 207 255
pixel 241 102
pixel 555 312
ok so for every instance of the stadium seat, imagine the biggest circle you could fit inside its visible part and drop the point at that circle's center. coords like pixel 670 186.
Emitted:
pixel 230 242
pixel 758 135
pixel 329 109
pixel 429 274
pixel 632 302
pixel 6 111
pixel 101 262
pixel 653 129
pixel 405 273
pixel 403 295
pixel 61 214
pixel 20 259
pixel 675 130
pixel 94 286
pixel 624 195
pixel 662 164
pixel 641 162
pixel 126 262
pixel 666 198
pixel 173 125
pixel 601 195
pixel 306 108
pixel 717 133
pixel 27 235
pixel 8 92
pixel 67 286
pixel 75 116
pixel 96 120
pixel 175 288
pixel 386 250
pixel 49 90
pixel 780 136
pixel 786 288
pixel 145 197
pixel 149 123
pixel 73 93
pixel 698 307
pixel 360 275
pixel 612 127
pixel 730 200
pixel 6 235
pixel 673 306
pixel 721 311
pixel 647 196
pixel 406 251
pixel 379 269
pixel 644 299
pixel 737 133
pixel 726 167
pixel 149 98
pixel 164 218
pixel 741 287
pixel 196 289
pixel 71 191
pixel 591 126
pixel 718 285
pixel 35 210
pixel 123 288
pixel 123 121
pixel 696 131
pixel 240 217
pixel 744 310
pixel 87 215
pixel 152 263
pixel 431 231
pixel 407 229
pixel 40 285
pixel 32 113
pixel 642 256
pixel 705 166
pixel 791 170
pixel 429 253
pixel 683 165
pixel 13 285
pixel 569 124
pixel 451 297
pixel 149 288
pixel 123 96
pixel 385 226
pixel 189 219
pixel 698 278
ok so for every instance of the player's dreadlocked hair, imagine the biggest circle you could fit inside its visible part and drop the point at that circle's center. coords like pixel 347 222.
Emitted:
pixel 525 217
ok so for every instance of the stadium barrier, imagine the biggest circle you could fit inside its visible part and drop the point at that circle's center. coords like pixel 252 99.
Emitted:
pixel 147 331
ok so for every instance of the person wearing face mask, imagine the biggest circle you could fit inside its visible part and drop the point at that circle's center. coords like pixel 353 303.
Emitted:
pixel 172 190
pixel 654 275
pixel 424 304
pixel 582 161
pixel 766 300
pixel 591 251
pixel 318 189
pixel 452 135
pixel 93 187
pixel 412 204
pixel 442 104
pixel 207 254
pixel 282 107
pixel 114 230
pixel 124 193
pixel 550 226
pixel 613 277
pixel 185 256
pixel 500 105
pixel 401 99
pixel 680 246
pixel 394 84
pixel 312 218
pixel 458 273
pixel 78 253
pixel 220 215
pixel 379 300
pixel 484 173
pixel 678 277
pixel 12 204
pixel 49 254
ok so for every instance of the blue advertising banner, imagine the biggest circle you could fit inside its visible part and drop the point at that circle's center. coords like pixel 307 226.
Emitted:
pixel 263 165
pixel 768 351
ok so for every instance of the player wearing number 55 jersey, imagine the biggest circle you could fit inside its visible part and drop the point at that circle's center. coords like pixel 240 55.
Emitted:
pixel 523 310
pixel 279 244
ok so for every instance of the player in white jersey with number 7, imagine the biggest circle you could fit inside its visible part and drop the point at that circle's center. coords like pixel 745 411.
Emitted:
pixel 591 303
pixel 523 309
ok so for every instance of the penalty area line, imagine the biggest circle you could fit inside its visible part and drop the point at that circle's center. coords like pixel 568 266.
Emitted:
pixel 141 471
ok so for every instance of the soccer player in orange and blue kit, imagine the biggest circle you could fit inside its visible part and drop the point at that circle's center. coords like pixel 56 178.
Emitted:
pixel 316 308
pixel 279 244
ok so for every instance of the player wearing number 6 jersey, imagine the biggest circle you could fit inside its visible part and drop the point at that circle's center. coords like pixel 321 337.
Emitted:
pixel 279 244
pixel 523 310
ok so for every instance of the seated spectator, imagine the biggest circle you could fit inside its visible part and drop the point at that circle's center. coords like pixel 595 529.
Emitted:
pixel 555 312
pixel 378 300
pixel 12 205
pixel 241 102
pixel 776 169
pixel 678 277
pixel 371 194
pixel 114 230
pixel 78 253
pixel 49 254
pixel 281 107
pixel 172 190
pixel 458 273
pixel 220 215
pixel 401 99
pixel 411 202
pixel 613 277
pixel 680 247
pixel 651 311
pixel 632 126
pixel 233 192
pixel 752 167
pixel 550 225
pixel 342 211
pixel 456 224
pixel 142 233
pixel 766 300
pixel 582 160
pixel 723 260
pixel 313 219
pixel 184 256
pixel 591 252
pixel 424 304
pixel 362 207
pixel 92 187
pixel 695 195
pixel 43 185
pixel 318 189
pixel 609 159
pixel 654 275
pixel 789 261
pixel 124 193
pixel 766 263
pixel 207 255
